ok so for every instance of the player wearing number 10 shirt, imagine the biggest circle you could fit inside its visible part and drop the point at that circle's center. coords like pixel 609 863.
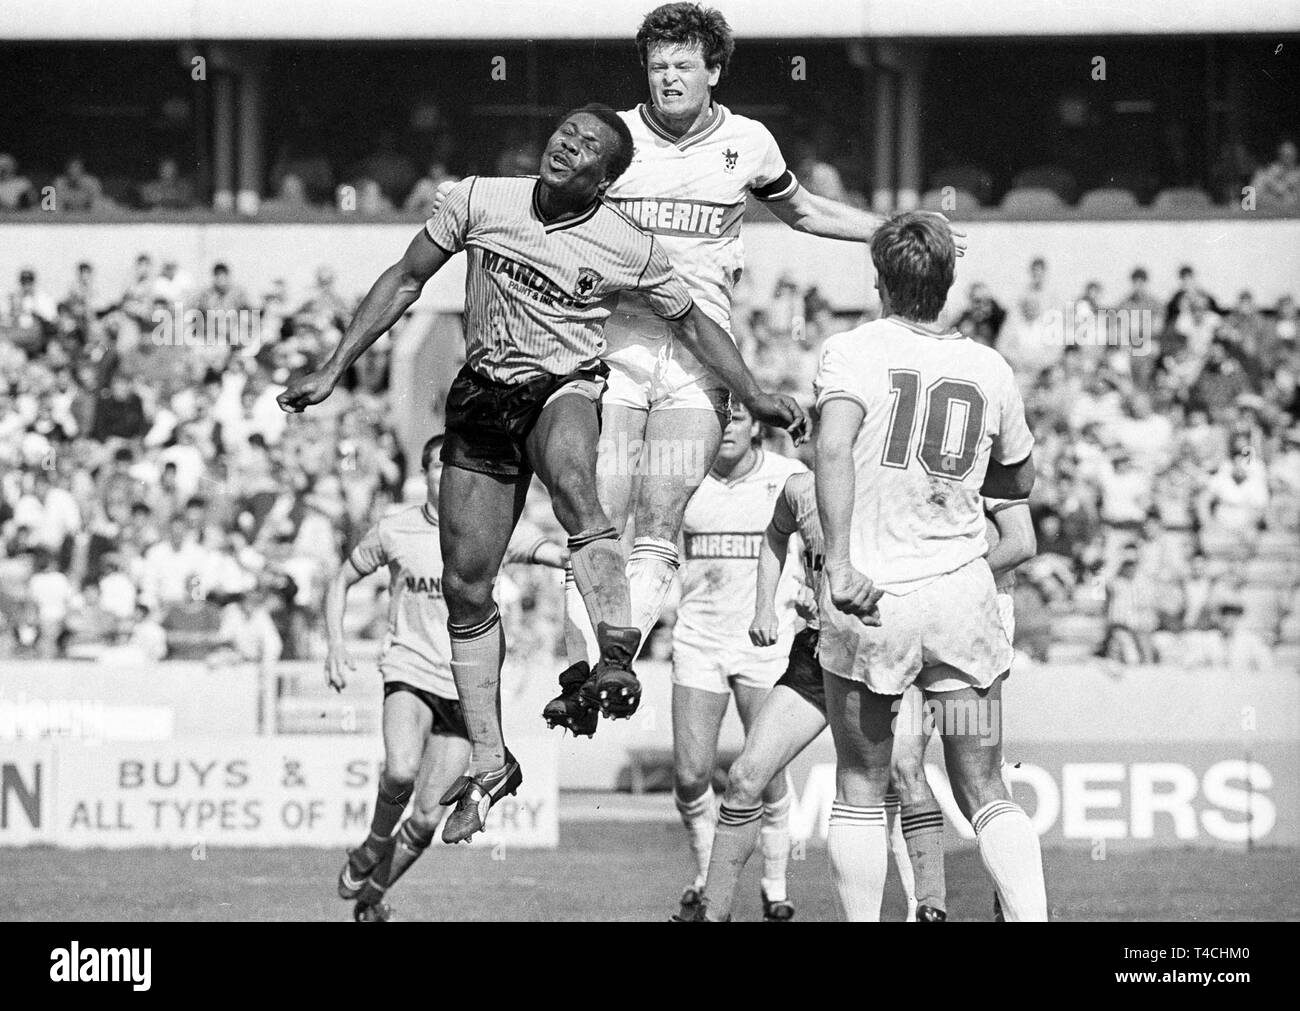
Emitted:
pixel 916 422
pixel 937 407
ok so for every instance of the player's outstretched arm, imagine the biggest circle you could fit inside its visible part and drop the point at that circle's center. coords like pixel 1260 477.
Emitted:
pixel 530 546
pixel 395 291
pixel 718 352
pixel 1016 540
pixel 771 560
pixel 850 590
pixel 1010 482
pixel 830 219
pixel 338 665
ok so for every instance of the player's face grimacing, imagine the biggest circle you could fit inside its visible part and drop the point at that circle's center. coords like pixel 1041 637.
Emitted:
pixel 576 158
pixel 739 435
pixel 680 82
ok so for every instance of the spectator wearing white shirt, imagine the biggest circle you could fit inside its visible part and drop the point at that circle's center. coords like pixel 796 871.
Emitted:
pixel 52 593
pixel 170 565
pixel 1233 502
pixel 50 513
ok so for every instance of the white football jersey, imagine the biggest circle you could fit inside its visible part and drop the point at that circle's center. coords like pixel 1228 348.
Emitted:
pixel 937 407
pixel 690 193
pixel 722 530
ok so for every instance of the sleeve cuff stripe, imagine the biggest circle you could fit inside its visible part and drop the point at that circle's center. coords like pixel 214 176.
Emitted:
pixel 840 395
pixel 683 314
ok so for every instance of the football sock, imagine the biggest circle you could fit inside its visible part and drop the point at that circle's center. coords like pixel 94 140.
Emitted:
pixel 579 636
pixel 700 818
pixel 923 833
pixel 407 846
pixel 898 849
pixel 650 567
pixel 734 841
pixel 859 855
pixel 1008 845
pixel 477 651
pixel 775 840
pixel 390 802
pixel 600 576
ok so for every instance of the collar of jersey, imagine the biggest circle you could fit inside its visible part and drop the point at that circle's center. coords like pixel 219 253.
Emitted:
pixel 429 513
pixel 921 331
pixel 690 137
pixel 555 226
pixel 731 482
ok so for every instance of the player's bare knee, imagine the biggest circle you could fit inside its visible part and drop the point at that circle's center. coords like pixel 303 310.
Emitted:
pixel 425 820
pixel 468 597
pixel 745 783
pixel 400 770
pixel 693 781
pixel 908 775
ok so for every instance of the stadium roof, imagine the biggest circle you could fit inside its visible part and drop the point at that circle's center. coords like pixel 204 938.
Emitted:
pixel 406 20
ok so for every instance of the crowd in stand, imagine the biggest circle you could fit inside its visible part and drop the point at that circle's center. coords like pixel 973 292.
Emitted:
pixel 388 180
pixel 154 500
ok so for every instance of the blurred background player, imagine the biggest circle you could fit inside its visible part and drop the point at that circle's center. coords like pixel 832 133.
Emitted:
pixel 713 656
pixel 425 740
pixel 527 401
pixel 914 417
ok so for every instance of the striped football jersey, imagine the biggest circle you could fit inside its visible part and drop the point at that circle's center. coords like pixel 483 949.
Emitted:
pixel 937 407
pixel 416 648
pixel 537 294
pixel 721 531
pixel 690 193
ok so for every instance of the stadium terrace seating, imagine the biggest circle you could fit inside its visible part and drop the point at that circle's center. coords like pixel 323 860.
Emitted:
pixel 1032 201
pixel 1109 200
pixel 962 201
pixel 1182 198
pixel 970 178
pixel 1047 177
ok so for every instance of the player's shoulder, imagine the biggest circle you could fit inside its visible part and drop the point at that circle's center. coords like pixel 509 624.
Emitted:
pixel 777 465
pixel 735 124
pixel 800 484
pixel 406 519
pixel 622 221
pixel 501 193
pixel 989 361
pixel 859 340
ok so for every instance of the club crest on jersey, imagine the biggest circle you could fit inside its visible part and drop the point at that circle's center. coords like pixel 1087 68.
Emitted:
pixel 587 281
pixel 729 160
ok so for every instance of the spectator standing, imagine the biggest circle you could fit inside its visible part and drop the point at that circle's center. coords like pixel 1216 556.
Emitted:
pixel 1278 183
pixel 77 191
pixel 16 192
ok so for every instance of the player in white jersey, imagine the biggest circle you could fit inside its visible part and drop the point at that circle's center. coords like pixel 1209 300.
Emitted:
pixel 713 656
pixel 696 164
pixel 425 740
pixel 794 714
pixel 917 421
